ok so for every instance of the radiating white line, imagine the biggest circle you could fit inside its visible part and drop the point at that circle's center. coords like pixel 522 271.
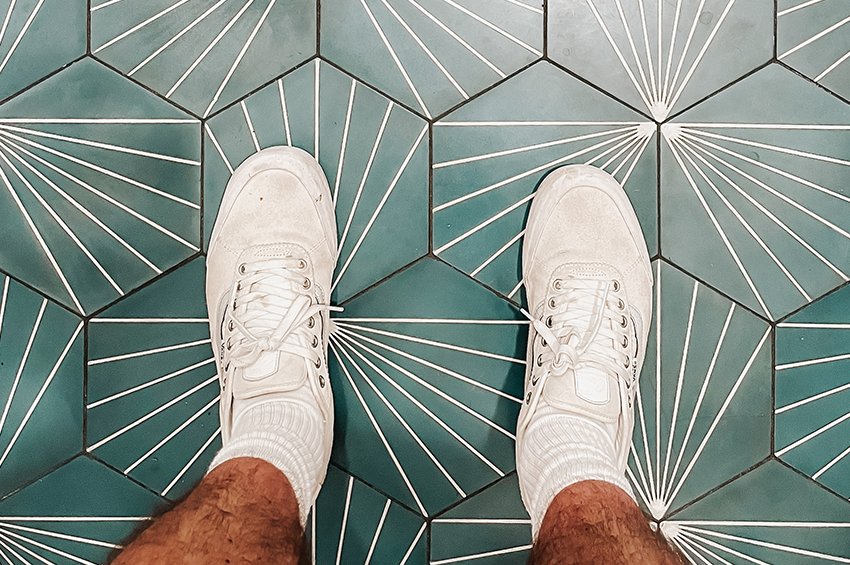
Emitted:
pixel 689 551
pixel 769 545
pixel 149 320
pixel 380 206
pixel 414 401
pixel 401 420
pixel 679 383
pixel 623 146
pixel 218 148
pixel 651 491
pixel 644 494
pixel 498 253
pixel 494 27
pixel 813 326
pixel 533 147
pixel 180 34
pixel 503 521
pixel 433 343
pixel 634 162
pixel 139 26
pixel 208 48
pixel 719 229
pixel 23 362
pixel 832 67
pixel 720 414
pixel 99 121
pixel 356 339
pixel 240 56
pixel 313 537
pixel 100 194
pixel 629 38
pixel 345 129
pixel 829 465
pixel 553 123
pixel 16 554
pixel 457 38
pixel 685 50
pixel 484 224
pixel 534 9
pixel 813 434
pixel 413 544
pixel 532 171
pixel 649 64
pixel 8 535
pixel 7 18
pixel 57 535
pixel 191 462
pixel 75 518
pixel 762 524
pixel 148 352
pixel 99 169
pixel 3 303
pixel 39 395
pixel 21 34
pixel 377 533
pixel 43 244
pixel 815 37
pixel 813 398
pixel 817 361
pixel 64 226
pixel 365 176
pixel 285 113
pixel 250 125
pixel 482 555
pixel 631 476
pixel 658 320
pixel 379 431
pixel 798 7
pixel 395 59
pixel 436 321
pixel 316 104
pixel 150 415
pixel 791 127
pixel 698 550
pixel 101 5
pixel 427 51
pixel 515 289
pixel 171 435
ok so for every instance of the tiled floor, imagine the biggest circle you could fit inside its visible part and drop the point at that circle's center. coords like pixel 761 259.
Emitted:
pixel 727 121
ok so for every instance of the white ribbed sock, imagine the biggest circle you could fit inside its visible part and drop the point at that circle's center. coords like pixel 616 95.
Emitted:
pixel 561 449
pixel 286 433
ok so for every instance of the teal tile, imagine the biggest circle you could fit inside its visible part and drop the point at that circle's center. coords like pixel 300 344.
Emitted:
pixel 352 523
pixel 660 56
pixel 703 411
pixel 491 528
pixel 754 198
pixel 813 391
pixel 432 55
pixel 490 155
pixel 204 55
pixel 41 371
pixel 153 389
pixel 100 186
pixel 78 513
pixel 812 38
pixel 427 371
pixel 374 153
pixel 38 37
pixel 769 515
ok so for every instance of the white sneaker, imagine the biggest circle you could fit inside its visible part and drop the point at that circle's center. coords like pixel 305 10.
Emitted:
pixel 269 269
pixel 588 281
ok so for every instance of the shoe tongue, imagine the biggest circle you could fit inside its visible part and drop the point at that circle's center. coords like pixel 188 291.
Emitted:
pixel 592 385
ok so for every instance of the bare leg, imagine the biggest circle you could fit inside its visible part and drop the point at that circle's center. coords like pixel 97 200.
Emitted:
pixel 594 522
pixel 243 512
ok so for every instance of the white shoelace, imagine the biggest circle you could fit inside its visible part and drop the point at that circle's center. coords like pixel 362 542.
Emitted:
pixel 272 310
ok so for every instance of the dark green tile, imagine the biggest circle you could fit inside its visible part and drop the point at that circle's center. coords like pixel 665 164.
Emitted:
pixel 813 391
pixel 205 55
pixel 703 409
pixel 754 199
pixel 659 56
pixel 769 515
pixel 41 371
pixel 432 55
pixel 380 180
pixel 152 384
pixel 100 186
pixel 427 370
pixel 490 155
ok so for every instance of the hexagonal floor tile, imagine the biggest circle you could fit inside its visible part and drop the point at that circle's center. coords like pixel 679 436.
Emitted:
pixel 703 411
pixel 352 523
pixel 661 56
pixel 427 370
pixel 205 55
pixel 374 153
pixel 813 37
pixel 770 515
pixel 491 527
pixel 152 384
pixel 78 513
pixel 754 198
pixel 490 155
pixel 38 37
pixel 812 384
pixel 100 186
pixel 41 368
pixel 430 54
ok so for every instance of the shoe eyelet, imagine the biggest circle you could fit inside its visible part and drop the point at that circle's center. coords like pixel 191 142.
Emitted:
pixel 625 341
pixel 315 341
pixel 302 264
pixel 230 326
pixel 528 398
pixel 628 363
pixel 226 368
pixel 307 284
pixel 549 322
pixel 229 344
pixel 318 363
pixel 543 341
pixel 238 286
pixel 620 304
pixel 234 304
pixel 616 285
pixel 624 322
pixel 552 303
pixel 321 381
pixel 311 322
pixel 534 380
pixel 242 269
pixel 556 284
pixel 540 360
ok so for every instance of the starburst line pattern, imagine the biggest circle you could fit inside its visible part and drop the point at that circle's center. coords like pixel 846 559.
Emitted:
pixel 800 14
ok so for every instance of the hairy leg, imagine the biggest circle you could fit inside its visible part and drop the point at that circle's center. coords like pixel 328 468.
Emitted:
pixel 596 523
pixel 243 512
